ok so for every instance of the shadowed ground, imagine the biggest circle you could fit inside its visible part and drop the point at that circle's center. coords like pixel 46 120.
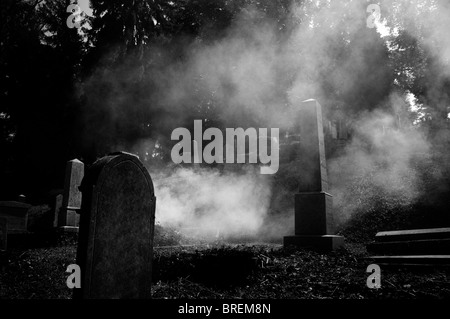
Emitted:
pixel 233 271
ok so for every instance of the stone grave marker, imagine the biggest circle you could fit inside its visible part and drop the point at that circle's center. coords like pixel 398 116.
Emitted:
pixel 116 229
pixel 68 217
pixel 314 226
pixel 16 214
pixel 411 247
pixel 57 209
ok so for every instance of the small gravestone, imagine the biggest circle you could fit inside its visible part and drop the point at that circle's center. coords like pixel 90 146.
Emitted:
pixel 68 217
pixel 57 209
pixel 314 225
pixel 16 215
pixel 116 229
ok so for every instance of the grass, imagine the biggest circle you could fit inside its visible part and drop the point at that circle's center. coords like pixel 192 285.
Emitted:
pixel 233 271
pixel 37 273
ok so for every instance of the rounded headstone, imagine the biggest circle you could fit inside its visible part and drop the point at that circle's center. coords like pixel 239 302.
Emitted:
pixel 116 229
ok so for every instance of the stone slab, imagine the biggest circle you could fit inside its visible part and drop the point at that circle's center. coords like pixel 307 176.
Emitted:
pixel 411 247
pixel 413 234
pixel 412 260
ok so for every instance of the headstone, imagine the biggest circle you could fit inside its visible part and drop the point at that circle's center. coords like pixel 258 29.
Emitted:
pixel 16 214
pixel 342 130
pixel 69 217
pixel 57 209
pixel 314 226
pixel 116 229
pixel 332 128
pixel 3 233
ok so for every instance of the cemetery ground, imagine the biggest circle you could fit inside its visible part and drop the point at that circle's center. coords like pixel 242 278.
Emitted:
pixel 228 270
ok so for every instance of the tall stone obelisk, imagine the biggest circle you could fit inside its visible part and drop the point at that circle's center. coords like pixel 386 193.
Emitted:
pixel 314 226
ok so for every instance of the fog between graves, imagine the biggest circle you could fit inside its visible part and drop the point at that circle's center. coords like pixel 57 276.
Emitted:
pixel 243 70
pixel 209 201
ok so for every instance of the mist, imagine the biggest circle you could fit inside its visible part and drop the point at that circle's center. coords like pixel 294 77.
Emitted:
pixel 380 159
pixel 211 205
pixel 255 76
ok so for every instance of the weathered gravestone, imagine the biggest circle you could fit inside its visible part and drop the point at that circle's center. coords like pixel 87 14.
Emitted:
pixel 116 229
pixel 57 209
pixel 16 215
pixel 314 226
pixel 68 217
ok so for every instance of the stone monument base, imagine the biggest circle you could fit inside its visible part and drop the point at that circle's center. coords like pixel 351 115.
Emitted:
pixel 316 242
pixel 69 217
pixel 69 229
pixel 313 213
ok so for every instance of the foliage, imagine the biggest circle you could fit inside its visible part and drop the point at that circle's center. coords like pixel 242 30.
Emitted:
pixel 36 273
pixel 267 272
pixel 67 93
pixel 38 60
pixel 373 208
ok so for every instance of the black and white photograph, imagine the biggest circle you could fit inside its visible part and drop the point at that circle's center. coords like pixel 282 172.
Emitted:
pixel 225 158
